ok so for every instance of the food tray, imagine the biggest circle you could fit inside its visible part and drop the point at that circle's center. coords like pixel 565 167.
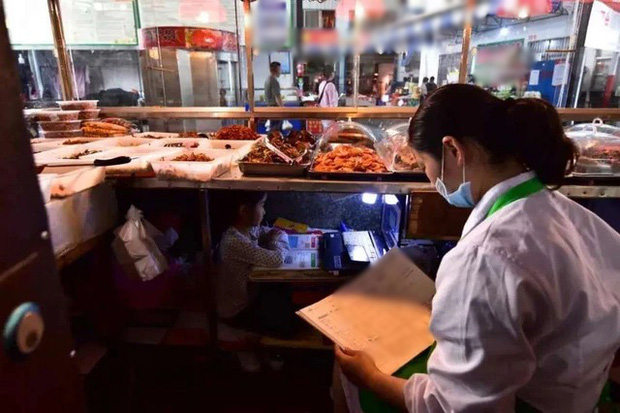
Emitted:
pixel 156 135
pixel 124 141
pixel 351 176
pixel 55 115
pixel 42 144
pixel 60 153
pixel 70 181
pixel 143 155
pixel 45 185
pixel 77 104
pixel 166 168
pixel 59 126
pixel 272 169
pixel 38 147
pixel 89 114
pixel 61 134
pixel 219 144
pixel 177 143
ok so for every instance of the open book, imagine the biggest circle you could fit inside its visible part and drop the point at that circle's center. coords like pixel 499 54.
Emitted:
pixel 303 253
pixel 385 312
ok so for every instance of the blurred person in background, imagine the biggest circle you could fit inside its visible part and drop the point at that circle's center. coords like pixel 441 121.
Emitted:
pixel 328 94
pixel 431 86
pixel 273 93
pixel 423 90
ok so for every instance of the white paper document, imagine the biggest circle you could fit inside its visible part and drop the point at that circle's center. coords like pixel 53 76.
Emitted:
pixel 303 253
pixel 385 312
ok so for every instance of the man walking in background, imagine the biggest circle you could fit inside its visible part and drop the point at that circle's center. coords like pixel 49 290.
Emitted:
pixel 272 91
pixel 431 86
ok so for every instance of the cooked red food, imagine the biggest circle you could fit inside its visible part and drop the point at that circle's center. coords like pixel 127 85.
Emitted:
pixel 190 134
pixel 236 132
pixel 193 157
pixel 347 158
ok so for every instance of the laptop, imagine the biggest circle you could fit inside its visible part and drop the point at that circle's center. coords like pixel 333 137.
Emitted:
pixel 353 250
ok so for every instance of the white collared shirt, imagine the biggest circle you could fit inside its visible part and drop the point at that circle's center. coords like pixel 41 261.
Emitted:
pixel 527 306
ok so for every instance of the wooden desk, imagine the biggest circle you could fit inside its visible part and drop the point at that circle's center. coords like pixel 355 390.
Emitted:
pixel 262 275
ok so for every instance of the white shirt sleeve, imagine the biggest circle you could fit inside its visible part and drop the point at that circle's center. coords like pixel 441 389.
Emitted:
pixel 482 312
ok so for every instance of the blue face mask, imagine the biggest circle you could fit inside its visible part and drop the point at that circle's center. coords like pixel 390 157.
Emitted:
pixel 462 197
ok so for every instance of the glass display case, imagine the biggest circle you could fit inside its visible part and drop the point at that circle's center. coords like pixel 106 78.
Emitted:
pixel 599 147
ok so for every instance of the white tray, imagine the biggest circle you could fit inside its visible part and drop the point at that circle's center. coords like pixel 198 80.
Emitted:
pixel 126 141
pixel 157 135
pixel 45 184
pixel 46 144
pixel 60 153
pixel 143 155
pixel 71 180
pixel 166 168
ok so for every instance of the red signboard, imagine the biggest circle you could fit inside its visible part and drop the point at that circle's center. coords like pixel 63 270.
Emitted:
pixel 196 38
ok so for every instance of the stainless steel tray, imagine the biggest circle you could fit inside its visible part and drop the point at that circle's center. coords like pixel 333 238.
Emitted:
pixel 272 169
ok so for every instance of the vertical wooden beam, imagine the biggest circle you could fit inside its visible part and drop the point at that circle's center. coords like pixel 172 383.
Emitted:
pixel 65 64
pixel 469 13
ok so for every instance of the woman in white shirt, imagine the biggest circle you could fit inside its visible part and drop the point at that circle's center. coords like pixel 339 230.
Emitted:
pixel 527 309
pixel 328 94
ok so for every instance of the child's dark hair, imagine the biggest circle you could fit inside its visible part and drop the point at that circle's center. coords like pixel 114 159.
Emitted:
pixel 245 198
pixel 225 206
pixel 528 130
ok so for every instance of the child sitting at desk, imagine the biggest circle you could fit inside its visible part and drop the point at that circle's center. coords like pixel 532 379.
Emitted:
pixel 244 245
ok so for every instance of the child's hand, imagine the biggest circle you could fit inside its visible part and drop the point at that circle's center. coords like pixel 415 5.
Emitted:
pixel 274 234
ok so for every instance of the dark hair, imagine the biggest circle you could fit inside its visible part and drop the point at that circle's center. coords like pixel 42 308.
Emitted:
pixel 425 79
pixel 224 207
pixel 528 130
pixel 328 70
pixel 274 65
pixel 432 78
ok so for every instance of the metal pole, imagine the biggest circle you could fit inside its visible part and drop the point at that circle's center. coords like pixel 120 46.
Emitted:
pixel 469 11
pixel 247 15
pixel 65 64
pixel 238 93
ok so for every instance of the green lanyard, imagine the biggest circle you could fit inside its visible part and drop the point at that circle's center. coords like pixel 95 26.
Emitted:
pixel 520 191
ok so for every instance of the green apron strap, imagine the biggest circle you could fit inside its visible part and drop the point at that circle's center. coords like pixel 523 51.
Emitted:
pixel 523 190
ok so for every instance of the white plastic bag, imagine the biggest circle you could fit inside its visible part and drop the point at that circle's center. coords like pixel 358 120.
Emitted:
pixel 135 247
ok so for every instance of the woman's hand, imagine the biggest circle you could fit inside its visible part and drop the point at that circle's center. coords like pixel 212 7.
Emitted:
pixel 362 371
pixel 357 366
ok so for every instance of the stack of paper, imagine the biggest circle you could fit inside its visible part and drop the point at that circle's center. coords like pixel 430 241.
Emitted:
pixel 385 312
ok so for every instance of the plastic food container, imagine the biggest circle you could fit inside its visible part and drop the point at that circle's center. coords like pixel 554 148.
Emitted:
pixel 395 150
pixel 45 185
pixel 599 147
pixel 168 167
pixel 77 104
pixel 60 125
pixel 56 115
pixel 61 134
pixel 347 151
pixel 89 114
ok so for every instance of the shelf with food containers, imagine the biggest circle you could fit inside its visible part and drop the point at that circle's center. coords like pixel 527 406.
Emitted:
pixel 371 144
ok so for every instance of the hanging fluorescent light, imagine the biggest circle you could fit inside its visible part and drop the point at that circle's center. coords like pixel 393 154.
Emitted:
pixel 390 199
pixel 503 31
pixel 369 198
